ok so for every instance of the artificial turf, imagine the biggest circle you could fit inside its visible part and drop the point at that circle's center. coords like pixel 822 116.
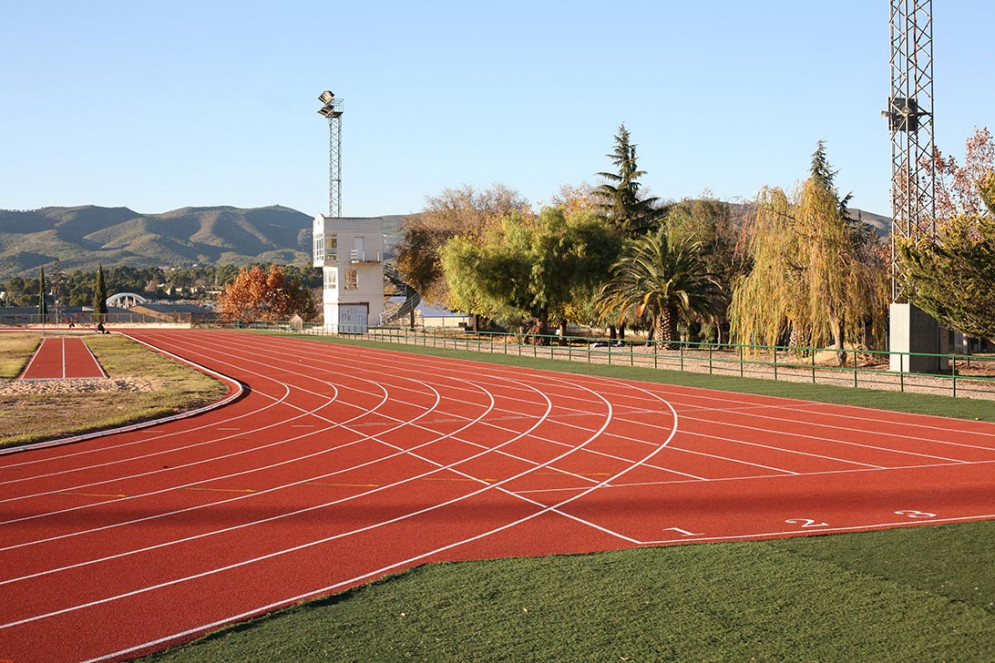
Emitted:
pixel 919 594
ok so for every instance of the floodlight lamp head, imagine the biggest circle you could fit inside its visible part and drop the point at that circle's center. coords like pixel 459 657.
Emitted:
pixel 326 97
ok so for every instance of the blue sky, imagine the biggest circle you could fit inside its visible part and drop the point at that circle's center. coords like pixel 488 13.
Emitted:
pixel 159 105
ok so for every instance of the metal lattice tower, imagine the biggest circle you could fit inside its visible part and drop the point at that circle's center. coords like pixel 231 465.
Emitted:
pixel 910 119
pixel 332 109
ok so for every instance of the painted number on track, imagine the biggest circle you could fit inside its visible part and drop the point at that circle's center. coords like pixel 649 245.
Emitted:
pixel 806 522
pixel 680 531
pixel 915 514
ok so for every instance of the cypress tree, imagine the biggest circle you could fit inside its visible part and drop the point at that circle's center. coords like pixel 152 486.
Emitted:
pixel 42 304
pixel 100 297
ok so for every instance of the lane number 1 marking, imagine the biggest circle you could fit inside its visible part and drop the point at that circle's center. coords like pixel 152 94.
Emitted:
pixel 806 522
pixel 915 514
pixel 681 531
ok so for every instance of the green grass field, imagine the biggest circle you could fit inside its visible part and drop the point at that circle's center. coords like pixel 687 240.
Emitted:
pixel 916 594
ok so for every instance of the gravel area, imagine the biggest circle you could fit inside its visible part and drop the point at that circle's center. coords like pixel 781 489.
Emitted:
pixel 74 386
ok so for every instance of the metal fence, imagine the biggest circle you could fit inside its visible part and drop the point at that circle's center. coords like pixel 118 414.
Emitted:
pixel 964 375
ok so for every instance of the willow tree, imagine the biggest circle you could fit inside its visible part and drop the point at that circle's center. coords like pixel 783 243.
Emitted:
pixel 813 276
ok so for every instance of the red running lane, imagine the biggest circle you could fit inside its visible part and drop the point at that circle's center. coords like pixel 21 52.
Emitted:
pixel 62 357
pixel 343 464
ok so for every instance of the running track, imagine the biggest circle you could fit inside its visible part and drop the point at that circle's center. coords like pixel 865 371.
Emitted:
pixel 343 464
pixel 62 357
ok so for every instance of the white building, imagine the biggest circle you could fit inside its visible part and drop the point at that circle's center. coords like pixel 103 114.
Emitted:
pixel 350 253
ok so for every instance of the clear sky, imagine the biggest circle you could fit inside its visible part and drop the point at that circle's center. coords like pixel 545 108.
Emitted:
pixel 156 105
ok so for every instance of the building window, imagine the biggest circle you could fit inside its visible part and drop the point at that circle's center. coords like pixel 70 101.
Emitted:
pixel 331 279
pixel 319 248
pixel 332 247
pixel 351 279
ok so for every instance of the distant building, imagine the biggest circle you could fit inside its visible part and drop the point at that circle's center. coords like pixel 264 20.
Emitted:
pixel 350 254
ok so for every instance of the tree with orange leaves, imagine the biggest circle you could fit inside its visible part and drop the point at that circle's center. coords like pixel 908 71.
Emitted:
pixel 256 294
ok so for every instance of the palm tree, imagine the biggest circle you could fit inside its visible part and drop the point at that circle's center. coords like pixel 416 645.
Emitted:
pixel 665 282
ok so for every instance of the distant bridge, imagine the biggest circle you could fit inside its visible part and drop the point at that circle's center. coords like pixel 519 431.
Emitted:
pixel 125 300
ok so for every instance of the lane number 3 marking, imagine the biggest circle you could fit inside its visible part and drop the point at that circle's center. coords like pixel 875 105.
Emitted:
pixel 915 514
pixel 806 522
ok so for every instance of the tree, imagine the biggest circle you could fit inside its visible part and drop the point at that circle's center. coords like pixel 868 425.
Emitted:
pixel 42 304
pixel 620 201
pixel 663 281
pixel 100 297
pixel 952 278
pixel 812 276
pixel 958 188
pixel 256 294
pixel 462 212
pixel 709 222
pixel 531 268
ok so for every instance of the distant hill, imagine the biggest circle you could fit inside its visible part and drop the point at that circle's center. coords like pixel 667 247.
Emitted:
pixel 82 237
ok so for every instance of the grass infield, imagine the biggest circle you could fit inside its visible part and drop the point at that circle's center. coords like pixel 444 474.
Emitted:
pixel 918 594
pixel 170 387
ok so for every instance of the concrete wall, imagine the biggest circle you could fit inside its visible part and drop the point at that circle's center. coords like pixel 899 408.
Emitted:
pixel 914 331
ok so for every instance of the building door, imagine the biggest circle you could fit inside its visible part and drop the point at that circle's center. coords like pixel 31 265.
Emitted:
pixel 354 318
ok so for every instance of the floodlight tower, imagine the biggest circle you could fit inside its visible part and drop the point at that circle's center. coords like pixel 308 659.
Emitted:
pixel 910 120
pixel 915 338
pixel 332 109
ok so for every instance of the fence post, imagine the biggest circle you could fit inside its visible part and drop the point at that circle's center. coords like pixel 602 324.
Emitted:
pixel 740 360
pixel 953 372
pixel 775 363
pixel 632 355
pixel 682 357
pixel 709 358
pixel 655 348
pixel 854 368
pixel 812 350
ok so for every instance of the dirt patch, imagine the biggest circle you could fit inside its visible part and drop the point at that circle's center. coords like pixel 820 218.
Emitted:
pixel 75 386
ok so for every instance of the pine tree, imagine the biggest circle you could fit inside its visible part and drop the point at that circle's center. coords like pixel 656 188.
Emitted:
pixel 620 202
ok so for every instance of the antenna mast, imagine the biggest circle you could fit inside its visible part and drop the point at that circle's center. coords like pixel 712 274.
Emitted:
pixel 332 109
pixel 910 119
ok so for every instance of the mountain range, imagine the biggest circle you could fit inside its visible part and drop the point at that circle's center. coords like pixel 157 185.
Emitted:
pixel 82 237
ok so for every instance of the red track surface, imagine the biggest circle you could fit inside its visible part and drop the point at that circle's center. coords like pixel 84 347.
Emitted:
pixel 62 357
pixel 343 464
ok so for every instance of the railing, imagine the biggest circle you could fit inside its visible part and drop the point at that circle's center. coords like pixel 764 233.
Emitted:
pixel 963 375
pixel 356 255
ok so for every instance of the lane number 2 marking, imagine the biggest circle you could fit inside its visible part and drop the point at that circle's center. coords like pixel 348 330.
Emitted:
pixel 915 514
pixel 806 522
